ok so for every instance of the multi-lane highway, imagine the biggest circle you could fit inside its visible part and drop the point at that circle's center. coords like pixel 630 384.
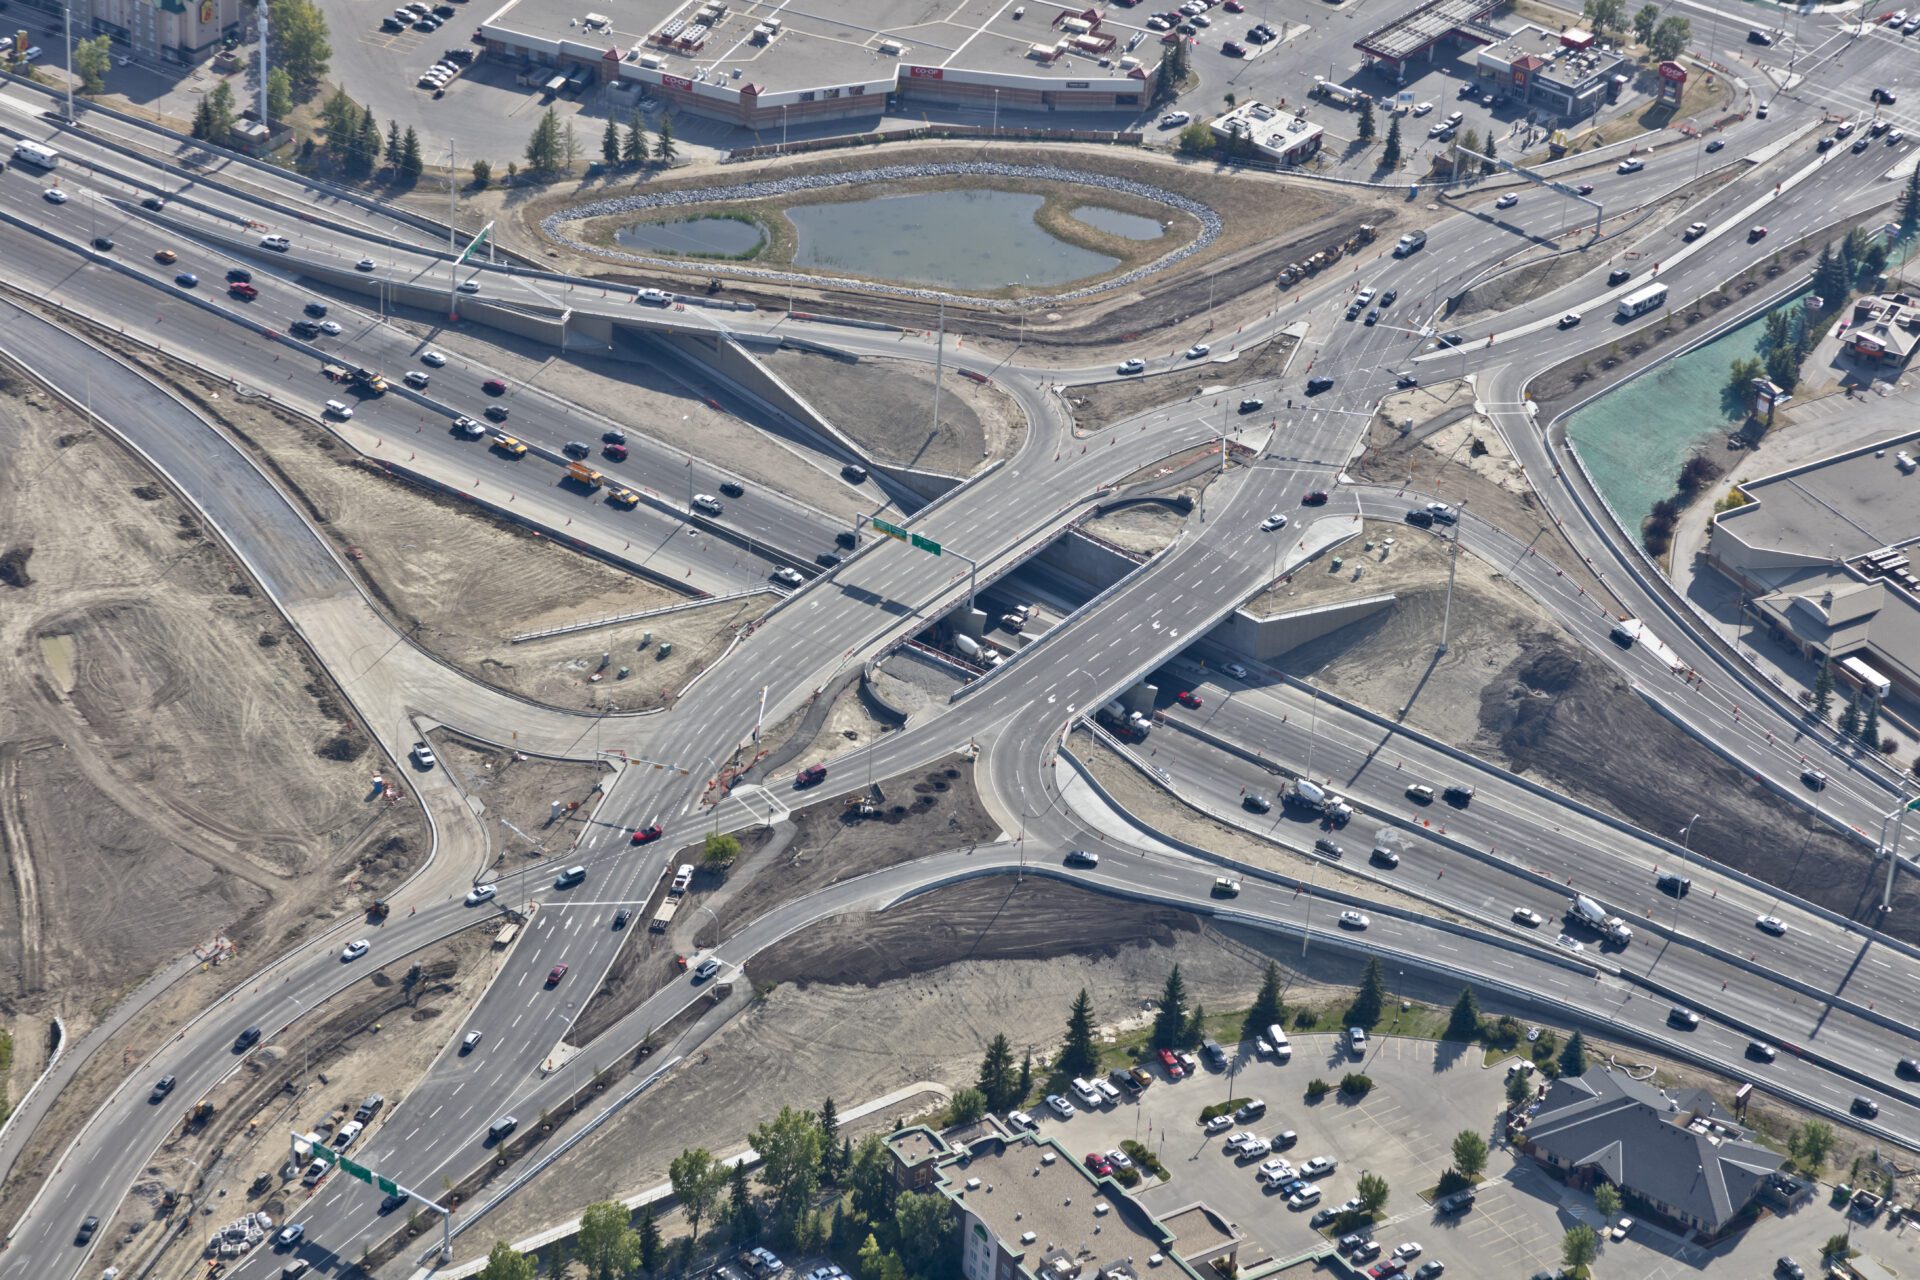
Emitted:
pixel 1019 711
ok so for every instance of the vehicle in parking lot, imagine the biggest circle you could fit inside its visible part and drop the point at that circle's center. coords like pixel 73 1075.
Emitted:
pixel 1174 119
pixel 1357 1041
pixel 1060 1106
pixel 1387 1269
pixel 1305 1197
pixel 1358 1247
pixel 1171 1065
pixel 1020 1120
pixel 1097 1164
pixel 1786 1266
pixel 1318 1167
pixel 1430 1269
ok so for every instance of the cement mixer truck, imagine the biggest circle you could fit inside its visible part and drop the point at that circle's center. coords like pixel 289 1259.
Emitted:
pixel 1311 796
pixel 1613 930
pixel 1128 724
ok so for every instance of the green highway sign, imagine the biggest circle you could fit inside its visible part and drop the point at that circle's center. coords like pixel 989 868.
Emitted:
pixel 926 544
pixel 387 1185
pixel 891 530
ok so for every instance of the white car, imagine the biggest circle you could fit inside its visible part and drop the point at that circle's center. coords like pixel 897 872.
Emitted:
pixel 279 244
pixel 1235 670
pixel 1132 366
pixel 1438 129
pixel 1894 136
pixel 1507 201
pixel 330 327
pixel 1119 1160
pixel 1771 924
pixel 1527 916
pixel 1567 942
pixel 339 409
pixel 1631 166
pixel 469 286
pixel 481 893
pixel 1277 520
pixel 787 576
pixel 55 195
pixel 1318 1167
pixel 1409 1249
pixel 1220 1124
pixel 416 379
pixel 1621 1228
pixel 472 428
pixel 1021 1120
pixel 353 950
pixel 1422 108
pixel 1570 319
pixel 434 358
pixel 1365 296
pixel 422 755
pixel 1060 1106
pixel 1353 920
pixel 1305 1198
pixel 1174 119
pixel 1276 1170
pixel 365 264
pixel 1198 350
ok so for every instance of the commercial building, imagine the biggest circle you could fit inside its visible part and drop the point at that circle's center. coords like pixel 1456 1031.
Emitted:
pixel 181 32
pixel 1562 74
pixel 774 67
pixel 1025 1209
pixel 1676 1155
pixel 1821 553
pixel 1886 329
pixel 1285 137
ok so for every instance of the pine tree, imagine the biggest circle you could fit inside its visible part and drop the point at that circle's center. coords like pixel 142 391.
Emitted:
pixel 1267 1009
pixel 1170 1024
pixel 1487 165
pixel 366 153
pixel 1870 723
pixel 1850 717
pixel 649 1241
pixel 664 149
pixel 393 142
pixel 1823 679
pixel 1196 1025
pixel 1910 204
pixel 634 150
pixel 742 1216
pixel 1464 1023
pixel 543 148
pixel 203 121
pixel 1366 120
pixel 610 144
pixel 1573 1056
pixel 830 1140
pixel 1026 1077
pixel 1390 155
pixel 996 1074
pixel 412 164
pixel 1370 999
pixel 1078 1056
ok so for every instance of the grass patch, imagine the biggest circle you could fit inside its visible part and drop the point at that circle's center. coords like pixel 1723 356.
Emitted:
pixel 1228 1107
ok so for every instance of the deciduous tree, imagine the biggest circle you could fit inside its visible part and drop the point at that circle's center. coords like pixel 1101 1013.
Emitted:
pixel 789 1147
pixel 92 59
pixel 297 41
pixel 1578 1247
pixel 697 1178
pixel 607 1242
pixel 505 1263
pixel 1469 1154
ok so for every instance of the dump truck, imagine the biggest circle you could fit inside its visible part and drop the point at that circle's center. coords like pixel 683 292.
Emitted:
pixel 1612 929
pixel 584 474
pixel 366 381
pixel 676 894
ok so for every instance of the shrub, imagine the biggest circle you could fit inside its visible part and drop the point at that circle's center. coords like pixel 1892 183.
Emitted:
pixel 1356 1084
pixel 1451 1181
pixel 1144 1158
pixel 1317 1089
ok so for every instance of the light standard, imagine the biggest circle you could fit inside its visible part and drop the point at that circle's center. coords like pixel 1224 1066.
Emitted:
pixel 1453 559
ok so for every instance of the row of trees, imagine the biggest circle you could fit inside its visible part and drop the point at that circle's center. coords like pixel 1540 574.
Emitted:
pixel 630 149
pixel 355 143
pixel 1665 37
pixel 1859 719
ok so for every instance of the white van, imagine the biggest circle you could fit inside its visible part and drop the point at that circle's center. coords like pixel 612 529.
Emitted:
pixel 1278 1039
pixel 1109 1092
pixel 339 409
pixel 1083 1089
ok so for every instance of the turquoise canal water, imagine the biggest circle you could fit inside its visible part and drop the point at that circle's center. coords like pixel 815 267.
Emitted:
pixel 1633 440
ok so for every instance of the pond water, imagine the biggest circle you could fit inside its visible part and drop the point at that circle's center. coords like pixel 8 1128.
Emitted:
pixel 974 240
pixel 709 237
pixel 1130 226
pixel 1633 440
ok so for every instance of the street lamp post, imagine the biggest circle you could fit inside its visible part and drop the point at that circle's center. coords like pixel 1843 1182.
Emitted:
pixel 1453 560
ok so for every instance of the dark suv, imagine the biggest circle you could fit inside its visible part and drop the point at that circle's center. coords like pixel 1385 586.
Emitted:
pixel 246 1040
pixel 1675 886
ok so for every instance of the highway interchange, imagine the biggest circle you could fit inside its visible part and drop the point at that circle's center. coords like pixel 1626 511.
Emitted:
pixel 1829 991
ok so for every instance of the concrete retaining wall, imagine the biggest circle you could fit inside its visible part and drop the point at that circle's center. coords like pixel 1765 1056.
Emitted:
pixel 1266 638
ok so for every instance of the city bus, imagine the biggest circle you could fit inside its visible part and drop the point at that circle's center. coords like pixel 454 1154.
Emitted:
pixel 1641 301
pixel 25 152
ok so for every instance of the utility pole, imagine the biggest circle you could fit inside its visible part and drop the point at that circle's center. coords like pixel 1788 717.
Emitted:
pixel 1899 817
pixel 1453 560
pixel 260 95
pixel 67 10
pixel 939 364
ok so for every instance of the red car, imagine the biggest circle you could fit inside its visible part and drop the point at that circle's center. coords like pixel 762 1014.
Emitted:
pixel 646 835
pixel 1386 1270
pixel 241 289
pixel 494 387
pixel 1171 1065
pixel 1757 233
pixel 554 975
pixel 618 452
pixel 1186 699
pixel 1234 6
pixel 1097 1164
pixel 812 775
pixel 1316 498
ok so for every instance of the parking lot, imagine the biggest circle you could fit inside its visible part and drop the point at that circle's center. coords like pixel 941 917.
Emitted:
pixel 1402 1130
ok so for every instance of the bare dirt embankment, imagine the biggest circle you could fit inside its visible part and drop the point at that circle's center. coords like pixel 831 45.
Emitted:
pixel 177 772
pixel 887 407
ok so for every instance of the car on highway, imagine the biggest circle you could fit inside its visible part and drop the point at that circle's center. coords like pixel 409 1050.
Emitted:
pixel 481 893
pixel 1373 317
pixel 788 576
pixel 165 255
pixel 1187 698
pixel 616 452
pixel 393 1201
pixel 1527 916
pixel 315 309
pixel 469 286
pixel 1864 1106
pixel 103 243
pixel 1761 1051
pixel 1567 942
pixel 279 244
pixel 1569 320
pixel 423 755
pixel 1254 802
pixel 1756 233
pixel 1771 924
pixel 1694 231
pixel 354 950
pixel 1631 165
pixel 154 203
pixel 1507 201
pixel 1082 858
pixel 706 969
pixel 812 775
pixel 1252 404
pixel 417 380
pixel 435 359
pixel 1585 189
pixel 1197 350
pixel 1384 857
pixel 1318 383
pixel 1894 136
pixel 1235 670
pixel 1715 145
pixel 1451 338
pixel 1275 521
pixel 1674 886
pixel 1135 365
pixel 365 264
pixel 556 973
pixel 186 280
pixel 1814 779
pixel 242 290
pixel 1060 1106
pixel 1907 1068
pixel 55 195
pixel 246 1040
pixel 494 386
pixel 1681 1016
pixel 337 409
pixel 1353 920
pixel 1329 847
pixel 1314 498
